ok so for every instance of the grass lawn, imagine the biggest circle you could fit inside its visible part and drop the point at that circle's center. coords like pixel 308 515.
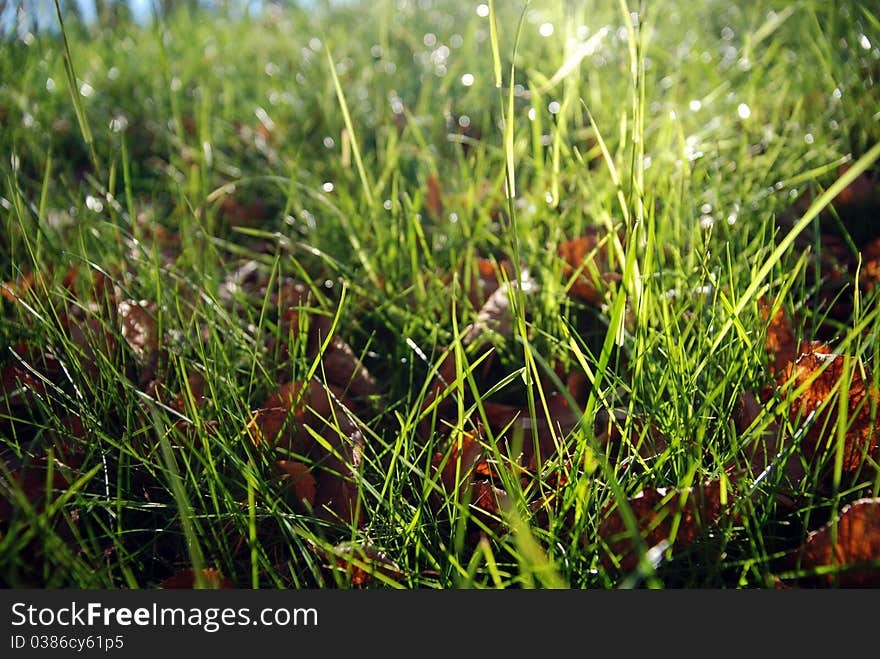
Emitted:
pixel 426 294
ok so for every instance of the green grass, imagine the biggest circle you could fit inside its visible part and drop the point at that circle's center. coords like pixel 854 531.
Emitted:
pixel 161 160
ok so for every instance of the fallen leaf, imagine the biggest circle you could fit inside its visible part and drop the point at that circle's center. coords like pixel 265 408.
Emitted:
pixel 362 563
pixel 458 467
pixel 820 373
pixel 342 368
pixel 288 422
pixel 433 197
pixel 869 275
pixel 300 480
pixel 588 257
pixel 656 510
pixel 780 344
pixel 29 478
pixel 644 438
pixel 186 579
pixel 765 451
pixel 138 325
pixel 237 211
pixel 851 546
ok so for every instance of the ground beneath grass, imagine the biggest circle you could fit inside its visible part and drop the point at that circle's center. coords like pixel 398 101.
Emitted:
pixel 430 295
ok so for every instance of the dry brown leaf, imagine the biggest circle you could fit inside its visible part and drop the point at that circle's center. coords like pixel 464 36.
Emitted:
pixel 765 451
pixel 137 322
pixel 186 579
pixel 444 377
pixel 342 368
pixel 487 500
pixel 869 275
pixel 485 279
pixel 588 257
pixel 538 436
pixel 287 421
pixel 494 317
pixel 780 343
pixel 242 212
pixel 465 456
pixel 820 372
pixel 29 479
pixel 852 545
pixel 644 439
pixel 362 563
pixel 300 480
pixel 433 197
pixel 656 510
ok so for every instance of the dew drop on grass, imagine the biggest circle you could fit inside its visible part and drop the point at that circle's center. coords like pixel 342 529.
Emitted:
pixel 94 204
pixel 327 186
pixel 707 221
pixel 482 10
pixel 864 42
pixel 118 123
pixel 546 29
pixel 50 85
pixel 329 142
pixel 430 39
pixel 532 114
pixel 743 111
pixel 113 73
pixel 808 138
pixel 695 105
pixel 386 204
pixel 464 121
pixel 467 79
pixel 86 89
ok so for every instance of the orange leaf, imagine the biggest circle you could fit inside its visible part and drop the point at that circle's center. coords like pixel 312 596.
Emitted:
pixel 861 429
pixel 300 479
pixel 361 563
pixel 186 579
pixel 287 421
pixel 656 510
pixel 780 342
pixel 870 272
pixel 465 454
pixel 587 256
pixel 852 544
pixel 433 197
